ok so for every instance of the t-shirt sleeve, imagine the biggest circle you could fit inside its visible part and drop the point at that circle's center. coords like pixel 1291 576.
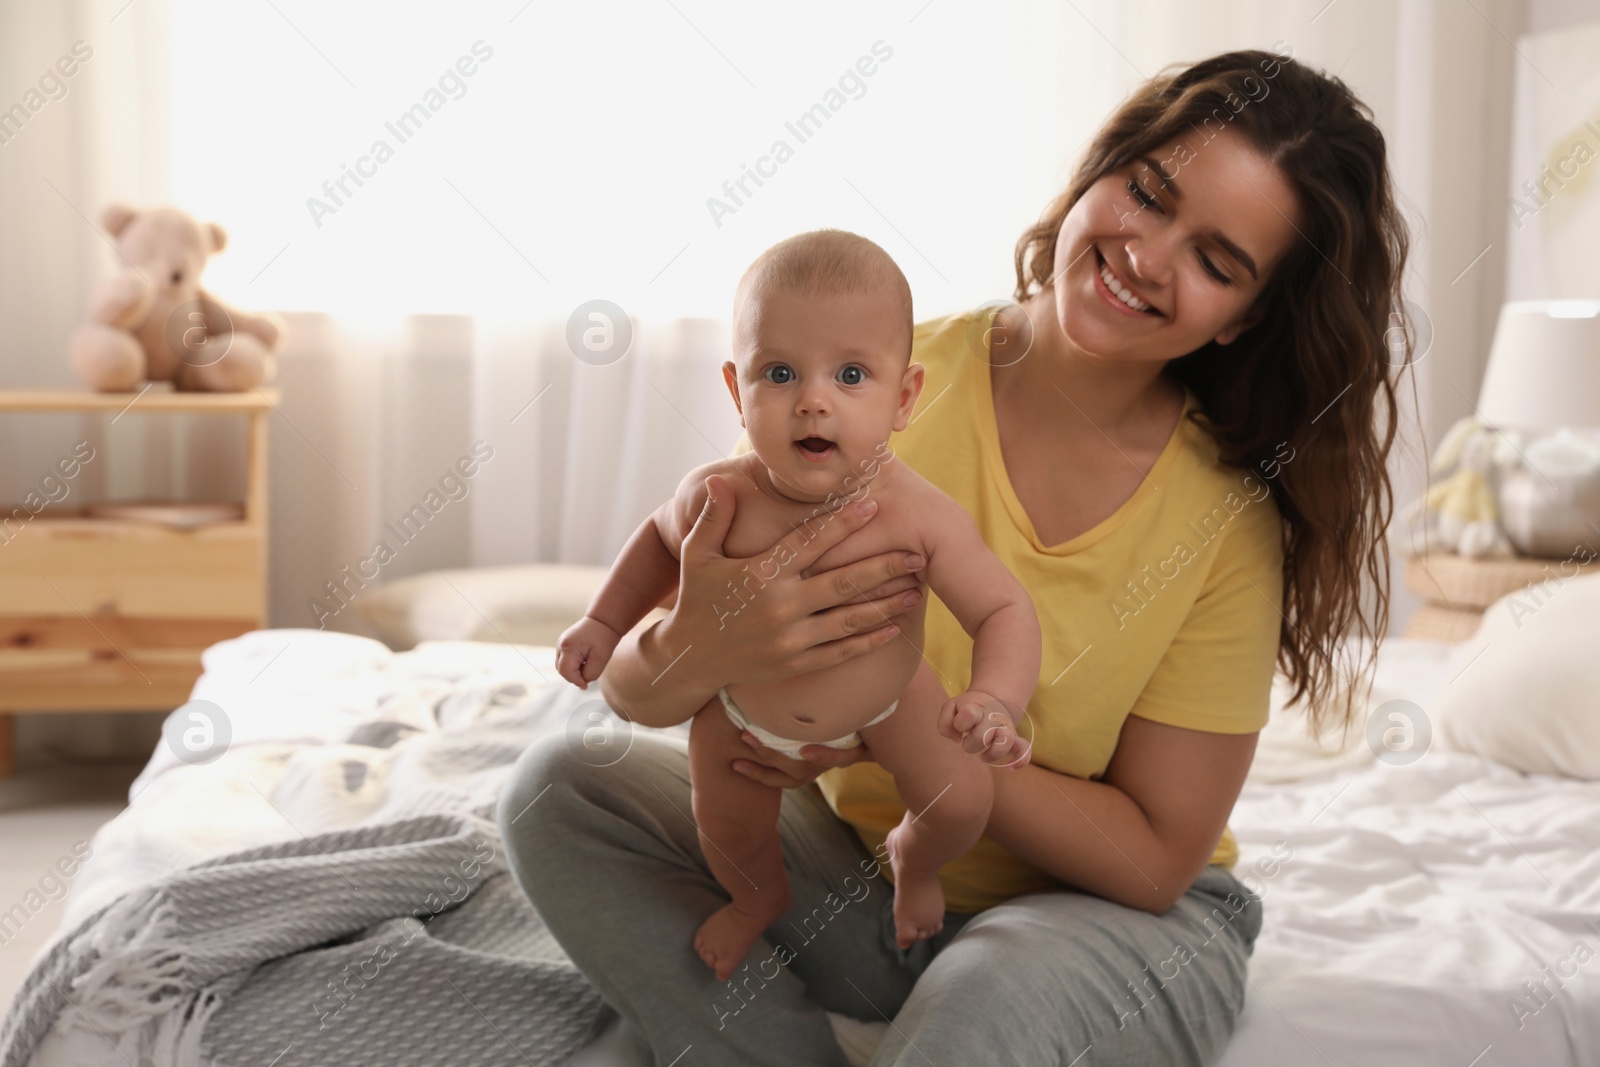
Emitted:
pixel 1217 673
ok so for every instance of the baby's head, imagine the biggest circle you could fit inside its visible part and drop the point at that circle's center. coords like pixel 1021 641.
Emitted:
pixel 822 370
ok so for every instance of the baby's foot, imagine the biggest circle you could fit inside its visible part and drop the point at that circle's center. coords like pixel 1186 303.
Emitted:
pixel 918 896
pixel 723 940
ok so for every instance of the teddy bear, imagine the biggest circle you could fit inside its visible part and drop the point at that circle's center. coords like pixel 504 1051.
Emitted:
pixel 153 321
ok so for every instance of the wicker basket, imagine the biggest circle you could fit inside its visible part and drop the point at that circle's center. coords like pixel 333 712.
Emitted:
pixel 1451 581
pixel 1435 622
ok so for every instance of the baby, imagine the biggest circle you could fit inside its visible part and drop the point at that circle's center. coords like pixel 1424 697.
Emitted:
pixel 822 338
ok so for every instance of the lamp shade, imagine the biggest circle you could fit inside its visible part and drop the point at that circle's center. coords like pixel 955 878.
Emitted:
pixel 1544 366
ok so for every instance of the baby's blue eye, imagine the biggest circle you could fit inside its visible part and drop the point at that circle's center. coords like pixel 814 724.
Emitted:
pixel 778 374
pixel 852 375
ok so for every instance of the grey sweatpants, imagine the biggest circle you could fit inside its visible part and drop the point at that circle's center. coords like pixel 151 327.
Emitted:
pixel 610 858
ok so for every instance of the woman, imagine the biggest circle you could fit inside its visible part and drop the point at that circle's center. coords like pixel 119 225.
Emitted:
pixel 1173 438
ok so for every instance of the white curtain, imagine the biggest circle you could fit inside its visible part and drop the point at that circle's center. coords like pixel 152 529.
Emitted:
pixel 583 158
pixel 569 456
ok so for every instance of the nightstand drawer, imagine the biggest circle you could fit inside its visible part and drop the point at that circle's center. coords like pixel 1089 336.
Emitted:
pixel 81 567
pixel 55 663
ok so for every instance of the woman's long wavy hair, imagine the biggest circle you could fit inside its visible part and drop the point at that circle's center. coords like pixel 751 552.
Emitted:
pixel 1319 370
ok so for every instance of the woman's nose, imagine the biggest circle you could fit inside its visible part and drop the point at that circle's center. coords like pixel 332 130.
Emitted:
pixel 1146 260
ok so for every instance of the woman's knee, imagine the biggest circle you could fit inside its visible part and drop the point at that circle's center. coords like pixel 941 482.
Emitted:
pixel 549 776
pixel 559 791
pixel 1155 988
pixel 542 765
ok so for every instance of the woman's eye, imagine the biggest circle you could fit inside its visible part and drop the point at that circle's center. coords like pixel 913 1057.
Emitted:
pixel 778 374
pixel 1149 201
pixel 852 375
pixel 1211 269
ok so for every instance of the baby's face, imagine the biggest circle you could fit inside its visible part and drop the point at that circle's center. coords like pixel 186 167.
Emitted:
pixel 821 382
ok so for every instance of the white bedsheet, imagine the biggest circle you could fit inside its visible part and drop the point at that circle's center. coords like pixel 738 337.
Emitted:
pixel 1406 906
pixel 1413 903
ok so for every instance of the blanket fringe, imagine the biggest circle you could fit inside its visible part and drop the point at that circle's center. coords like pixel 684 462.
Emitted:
pixel 139 966
pixel 137 987
pixel 176 1040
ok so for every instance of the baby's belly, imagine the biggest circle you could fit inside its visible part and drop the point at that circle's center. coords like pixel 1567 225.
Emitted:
pixel 839 699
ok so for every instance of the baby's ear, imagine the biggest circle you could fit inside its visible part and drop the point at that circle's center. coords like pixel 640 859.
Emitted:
pixel 730 376
pixel 910 390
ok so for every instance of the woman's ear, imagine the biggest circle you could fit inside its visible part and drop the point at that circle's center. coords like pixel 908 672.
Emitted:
pixel 910 390
pixel 1231 333
pixel 730 377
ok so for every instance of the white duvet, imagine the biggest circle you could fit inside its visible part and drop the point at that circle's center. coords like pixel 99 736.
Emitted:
pixel 1445 912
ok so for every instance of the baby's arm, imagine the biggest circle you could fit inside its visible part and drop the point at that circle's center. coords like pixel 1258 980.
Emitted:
pixel 644 574
pixel 994 608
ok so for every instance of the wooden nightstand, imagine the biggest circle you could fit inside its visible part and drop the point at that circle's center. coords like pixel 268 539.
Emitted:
pixel 111 614
pixel 1458 590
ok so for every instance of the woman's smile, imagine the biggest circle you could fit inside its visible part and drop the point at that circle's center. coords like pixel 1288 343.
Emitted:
pixel 1125 301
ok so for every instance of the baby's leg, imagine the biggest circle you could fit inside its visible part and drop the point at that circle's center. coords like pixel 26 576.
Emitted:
pixel 738 823
pixel 947 793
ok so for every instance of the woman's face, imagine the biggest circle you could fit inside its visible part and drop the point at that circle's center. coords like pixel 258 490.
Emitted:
pixel 1191 232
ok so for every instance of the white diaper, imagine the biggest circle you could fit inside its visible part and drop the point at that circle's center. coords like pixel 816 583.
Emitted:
pixel 787 746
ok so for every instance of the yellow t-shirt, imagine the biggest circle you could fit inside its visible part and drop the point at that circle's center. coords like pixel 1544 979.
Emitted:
pixel 1167 610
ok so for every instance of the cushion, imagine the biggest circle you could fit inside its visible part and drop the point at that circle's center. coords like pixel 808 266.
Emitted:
pixel 527 605
pixel 1522 689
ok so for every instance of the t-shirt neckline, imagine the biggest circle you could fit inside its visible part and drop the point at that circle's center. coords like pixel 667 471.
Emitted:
pixel 989 427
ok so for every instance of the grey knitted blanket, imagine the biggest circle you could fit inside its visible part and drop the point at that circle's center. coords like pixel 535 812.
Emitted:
pixel 379 926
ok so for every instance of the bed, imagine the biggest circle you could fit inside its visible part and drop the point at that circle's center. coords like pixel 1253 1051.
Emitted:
pixel 1443 912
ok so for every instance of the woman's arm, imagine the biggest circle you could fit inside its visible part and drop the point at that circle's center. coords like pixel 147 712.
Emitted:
pixel 667 672
pixel 1142 834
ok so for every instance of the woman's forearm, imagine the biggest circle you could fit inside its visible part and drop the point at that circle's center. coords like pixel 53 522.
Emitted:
pixel 1141 834
pixel 647 681
pixel 1088 834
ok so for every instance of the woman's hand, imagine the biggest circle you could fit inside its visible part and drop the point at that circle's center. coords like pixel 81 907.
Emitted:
pixel 770 767
pixel 754 620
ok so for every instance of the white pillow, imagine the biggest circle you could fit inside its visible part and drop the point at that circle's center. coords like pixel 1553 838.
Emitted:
pixel 1525 689
pixel 527 605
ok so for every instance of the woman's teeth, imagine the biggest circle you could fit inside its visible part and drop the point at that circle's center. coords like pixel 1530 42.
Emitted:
pixel 1119 291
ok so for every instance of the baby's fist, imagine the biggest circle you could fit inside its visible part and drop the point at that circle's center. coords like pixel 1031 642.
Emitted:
pixel 584 649
pixel 985 726
pixel 962 713
pixel 1003 746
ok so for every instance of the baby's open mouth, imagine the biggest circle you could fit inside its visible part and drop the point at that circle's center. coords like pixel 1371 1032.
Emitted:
pixel 814 448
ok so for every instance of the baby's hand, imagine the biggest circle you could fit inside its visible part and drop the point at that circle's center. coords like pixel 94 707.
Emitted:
pixel 997 732
pixel 584 649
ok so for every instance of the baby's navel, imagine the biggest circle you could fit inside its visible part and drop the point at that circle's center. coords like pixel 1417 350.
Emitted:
pixel 804 718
